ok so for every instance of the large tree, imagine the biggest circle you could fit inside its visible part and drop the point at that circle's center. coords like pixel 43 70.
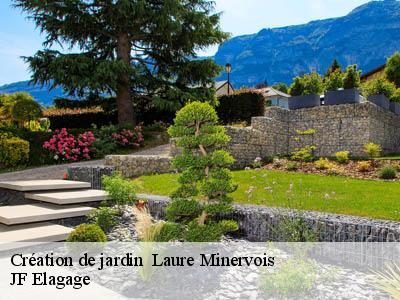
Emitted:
pixel 128 48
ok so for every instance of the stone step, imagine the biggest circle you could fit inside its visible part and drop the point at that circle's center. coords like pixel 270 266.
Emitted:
pixel 69 197
pixel 37 232
pixel 29 213
pixel 43 185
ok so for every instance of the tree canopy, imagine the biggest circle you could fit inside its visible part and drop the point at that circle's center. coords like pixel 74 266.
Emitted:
pixel 128 48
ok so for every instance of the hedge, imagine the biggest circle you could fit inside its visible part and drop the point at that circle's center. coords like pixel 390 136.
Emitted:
pixel 240 106
pixel 13 151
pixel 83 120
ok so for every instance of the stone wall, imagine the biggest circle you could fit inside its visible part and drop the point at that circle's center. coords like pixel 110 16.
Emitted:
pixel 138 165
pixel 338 128
pixel 260 223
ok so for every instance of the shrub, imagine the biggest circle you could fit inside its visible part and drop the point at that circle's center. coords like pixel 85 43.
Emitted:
pixel 257 163
pixel 351 78
pixel 308 84
pixel 379 86
pixel 87 233
pixel 103 217
pixel 392 69
pixel 210 232
pixel 26 109
pixel 204 165
pixel 342 157
pixel 129 138
pixel 323 164
pixel 387 173
pixel 334 81
pixel 121 191
pixel 372 150
pixel 240 106
pixel 396 96
pixel 64 147
pixel 170 232
pixel 304 154
pixel 13 151
pixel 363 166
pixel 292 166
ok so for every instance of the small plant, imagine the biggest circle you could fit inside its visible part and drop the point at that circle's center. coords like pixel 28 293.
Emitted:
pixel 268 159
pixel 146 228
pixel 103 217
pixel 278 162
pixel 389 281
pixel 121 190
pixel 257 163
pixel 323 164
pixel 363 166
pixel 170 232
pixel 294 277
pixel 372 150
pixel 292 166
pixel 87 233
pixel 304 154
pixel 342 157
pixel 387 173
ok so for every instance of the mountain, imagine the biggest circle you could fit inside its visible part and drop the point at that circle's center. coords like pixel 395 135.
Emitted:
pixel 366 37
pixel 42 94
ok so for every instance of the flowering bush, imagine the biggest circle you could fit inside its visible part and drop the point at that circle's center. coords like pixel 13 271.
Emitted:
pixel 129 138
pixel 65 147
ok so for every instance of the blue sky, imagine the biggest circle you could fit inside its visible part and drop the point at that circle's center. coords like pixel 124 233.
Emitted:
pixel 18 36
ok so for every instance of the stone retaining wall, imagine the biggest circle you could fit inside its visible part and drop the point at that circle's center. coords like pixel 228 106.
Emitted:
pixel 138 165
pixel 338 128
pixel 260 223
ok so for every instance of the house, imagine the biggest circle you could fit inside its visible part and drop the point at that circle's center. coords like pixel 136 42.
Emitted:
pixel 373 73
pixel 223 88
pixel 275 97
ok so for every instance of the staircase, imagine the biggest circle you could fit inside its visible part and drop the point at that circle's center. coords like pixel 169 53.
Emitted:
pixel 49 202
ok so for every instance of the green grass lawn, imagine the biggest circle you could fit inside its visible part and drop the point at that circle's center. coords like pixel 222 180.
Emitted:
pixel 390 157
pixel 341 195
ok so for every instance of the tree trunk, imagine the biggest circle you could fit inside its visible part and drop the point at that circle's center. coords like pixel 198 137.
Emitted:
pixel 126 114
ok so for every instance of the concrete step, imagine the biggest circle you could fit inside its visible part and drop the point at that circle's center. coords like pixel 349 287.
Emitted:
pixel 43 185
pixel 69 197
pixel 37 232
pixel 29 213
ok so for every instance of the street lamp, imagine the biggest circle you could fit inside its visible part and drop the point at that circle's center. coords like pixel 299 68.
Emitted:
pixel 228 69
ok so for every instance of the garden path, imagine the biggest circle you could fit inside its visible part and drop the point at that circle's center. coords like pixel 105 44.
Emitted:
pixel 58 171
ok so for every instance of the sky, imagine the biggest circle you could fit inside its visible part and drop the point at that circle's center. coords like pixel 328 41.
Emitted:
pixel 19 37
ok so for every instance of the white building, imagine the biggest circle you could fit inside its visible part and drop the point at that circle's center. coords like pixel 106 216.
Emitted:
pixel 275 97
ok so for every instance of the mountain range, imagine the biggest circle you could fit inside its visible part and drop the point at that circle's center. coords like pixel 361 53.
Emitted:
pixel 366 37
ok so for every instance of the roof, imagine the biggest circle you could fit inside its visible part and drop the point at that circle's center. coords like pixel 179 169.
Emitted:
pixel 270 92
pixel 376 70
pixel 220 84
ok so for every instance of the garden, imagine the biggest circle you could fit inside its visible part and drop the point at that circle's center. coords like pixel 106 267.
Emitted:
pixel 69 131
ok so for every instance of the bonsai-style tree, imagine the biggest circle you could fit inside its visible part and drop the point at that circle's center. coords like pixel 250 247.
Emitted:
pixel 127 48
pixel 351 78
pixel 392 69
pixel 334 67
pixel 205 174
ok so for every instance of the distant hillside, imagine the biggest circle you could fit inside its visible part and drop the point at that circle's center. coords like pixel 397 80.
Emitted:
pixel 366 36
pixel 42 94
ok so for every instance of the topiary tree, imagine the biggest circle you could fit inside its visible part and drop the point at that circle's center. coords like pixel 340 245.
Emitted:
pixel 87 233
pixel 392 69
pixel 205 174
pixel 351 78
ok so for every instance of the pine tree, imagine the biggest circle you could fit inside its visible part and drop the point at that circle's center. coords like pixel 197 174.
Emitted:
pixel 335 66
pixel 127 48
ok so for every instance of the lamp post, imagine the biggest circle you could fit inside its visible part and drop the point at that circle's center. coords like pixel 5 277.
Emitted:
pixel 228 69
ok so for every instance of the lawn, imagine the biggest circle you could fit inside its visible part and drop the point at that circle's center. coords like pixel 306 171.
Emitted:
pixel 341 195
